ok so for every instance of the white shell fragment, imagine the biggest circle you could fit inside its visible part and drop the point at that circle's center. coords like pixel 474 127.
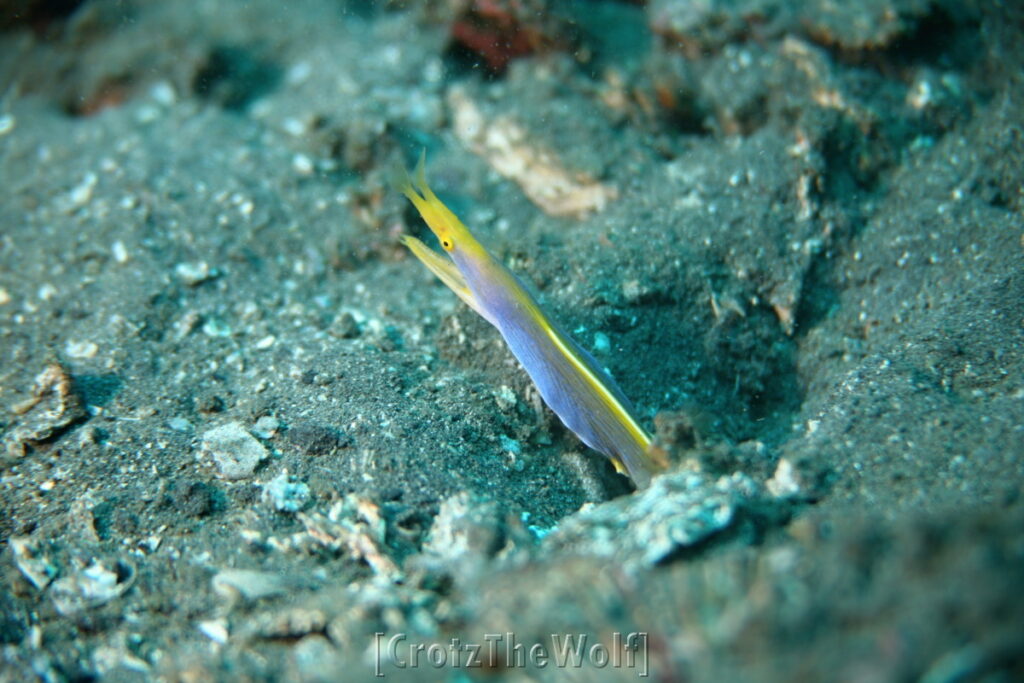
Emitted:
pixel 90 587
pixel 214 629
pixel 32 563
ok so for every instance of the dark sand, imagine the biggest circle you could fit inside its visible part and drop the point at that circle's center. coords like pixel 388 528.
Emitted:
pixel 243 430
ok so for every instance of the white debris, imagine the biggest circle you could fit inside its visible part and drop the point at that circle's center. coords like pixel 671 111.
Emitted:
pixel 505 398
pixel 107 659
pixel 81 349
pixel 81 194
pixel 32 563
pixel 235 451
pixel 47 291
pixel 214 629
pixel 678 510
pixel 119 251
pixel 249 584
pixel 163 93
pixel 91 587
pixel 294 127
pixel 179 424
pixel 194 273
pixel 302 164
pixel 266 342
pixel 266 427
pixel 286 493
pixel 214 327
pixel 785 483
pixel 298 72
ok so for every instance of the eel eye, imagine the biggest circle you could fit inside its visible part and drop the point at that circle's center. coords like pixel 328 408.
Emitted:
pixel 447 244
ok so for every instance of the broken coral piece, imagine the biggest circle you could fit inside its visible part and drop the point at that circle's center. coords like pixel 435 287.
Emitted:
pixel 506 146
pixel 356 526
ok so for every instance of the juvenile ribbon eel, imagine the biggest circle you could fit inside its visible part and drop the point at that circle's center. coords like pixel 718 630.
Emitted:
pixel 570 381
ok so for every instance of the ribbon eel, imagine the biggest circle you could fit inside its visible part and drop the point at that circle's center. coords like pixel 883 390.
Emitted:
pixel 570 381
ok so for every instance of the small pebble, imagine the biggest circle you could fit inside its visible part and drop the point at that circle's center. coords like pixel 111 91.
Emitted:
pixel 81 349
pixel 298 73
pixel 179 424
pixel 266 427
pixel 119 251
pixel 302 164
pixel 146 113
pixel 163 93
pixel 90 587
pixel 286 494
pixel 47 291
pixel 345 326
pixel 216 328
pixel 194 273
pixel 313 655
pixel 80 194
pixel 294 127
pixel 214 629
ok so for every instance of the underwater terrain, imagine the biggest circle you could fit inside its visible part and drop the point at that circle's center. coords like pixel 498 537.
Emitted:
pixel 246 435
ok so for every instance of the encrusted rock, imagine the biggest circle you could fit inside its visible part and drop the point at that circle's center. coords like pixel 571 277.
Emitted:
pixel 677 511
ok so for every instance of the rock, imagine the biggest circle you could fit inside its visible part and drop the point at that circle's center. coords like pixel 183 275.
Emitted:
pixel 235 451
pixel 266 427
pixel 677 511
pixel 345 326
pixel 286 494
pixel 468 532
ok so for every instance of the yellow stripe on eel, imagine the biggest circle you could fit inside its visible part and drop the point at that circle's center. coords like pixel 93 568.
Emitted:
pixel 573 384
